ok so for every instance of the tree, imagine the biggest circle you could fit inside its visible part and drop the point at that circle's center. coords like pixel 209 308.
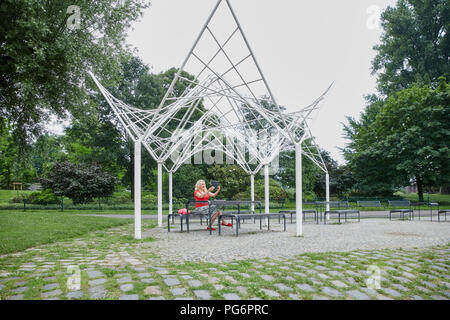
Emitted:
pixel 405 140
pixel 232 179
pixel 79 182
pixel 44 56
pixel 415 45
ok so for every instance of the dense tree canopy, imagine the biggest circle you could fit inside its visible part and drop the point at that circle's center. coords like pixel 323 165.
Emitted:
pixel 415 45
pixel 45 54
pixel 406 139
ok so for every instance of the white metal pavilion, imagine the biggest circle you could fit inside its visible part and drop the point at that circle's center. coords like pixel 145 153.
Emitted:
pixel 228 99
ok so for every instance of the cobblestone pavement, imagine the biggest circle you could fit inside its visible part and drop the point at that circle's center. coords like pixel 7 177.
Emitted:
pixel 369 260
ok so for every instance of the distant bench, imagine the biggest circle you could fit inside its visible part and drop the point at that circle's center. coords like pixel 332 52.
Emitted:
pixel 402 211
pixel 444 212
pixel 305 212
pixel 370 204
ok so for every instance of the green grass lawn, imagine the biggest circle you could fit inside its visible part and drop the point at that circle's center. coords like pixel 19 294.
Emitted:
pixel 21 230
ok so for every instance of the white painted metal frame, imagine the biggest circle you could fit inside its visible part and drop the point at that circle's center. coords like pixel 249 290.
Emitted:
pixel 216 106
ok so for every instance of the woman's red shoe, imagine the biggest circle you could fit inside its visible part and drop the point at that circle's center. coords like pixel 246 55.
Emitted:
pixel 213 229
pixel 227 224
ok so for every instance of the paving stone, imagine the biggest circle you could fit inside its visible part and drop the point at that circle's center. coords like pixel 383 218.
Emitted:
pixel 282 287
pixel 231 296
pixel 1 287
pixel 153 290
pixel 267 277
pixel 399 287
pixel 178 291
pixel 50 286
pixel 144 275
pixel 429 284
pixel 171 282
pixel 438 298
pixel 271 293
pixel 51 293
pixel 20 290
pixel 321 268
pixel 16 297
pixel 186 277
pixel 218 287
pixel 331 292
pixel 157 298
pixel 294 296
pixel 97 292
pixel 322 276
pixel 339 284
pixel 417 298
pixel 202 294
pixel 97 282
pixel 336 273
pixel 316 297
pixel 392 292
pixel 289 278
pixel 126 287
pixel 305 287
pixel 95 274
pixel 124 279
pixel 195 283
pixel 355 294
pixel 369 291
pixel 147 280
pixel 129 297
pixel 213 280
pixel 74 294
pixel 242 290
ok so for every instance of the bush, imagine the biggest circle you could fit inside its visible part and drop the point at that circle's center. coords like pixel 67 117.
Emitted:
pixel 149 199
pixel 43 197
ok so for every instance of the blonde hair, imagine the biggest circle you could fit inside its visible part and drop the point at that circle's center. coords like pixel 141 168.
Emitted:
pixel 199 182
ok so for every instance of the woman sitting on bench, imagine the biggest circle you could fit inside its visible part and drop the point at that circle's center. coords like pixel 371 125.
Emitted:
pixel 203 194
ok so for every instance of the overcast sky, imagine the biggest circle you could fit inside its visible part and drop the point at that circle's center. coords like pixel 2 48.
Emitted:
pixel 301 46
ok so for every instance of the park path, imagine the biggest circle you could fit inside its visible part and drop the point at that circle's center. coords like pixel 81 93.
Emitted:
pixel 412 261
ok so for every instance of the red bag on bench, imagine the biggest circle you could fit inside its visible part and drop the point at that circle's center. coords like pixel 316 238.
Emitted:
pixel 183 211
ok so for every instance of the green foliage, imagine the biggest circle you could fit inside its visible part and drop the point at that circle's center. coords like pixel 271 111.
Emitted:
pixel 184 181
pixel 43 62
pixel 232 179
pixel 43 197
pixel 79 182
pixel 276 192
pixel 415 45
pixel 406 139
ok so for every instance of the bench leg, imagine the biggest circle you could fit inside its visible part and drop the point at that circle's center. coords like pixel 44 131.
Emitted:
pixel 285 223
pixel 181 223
pixel 268 223
pixel 168 224
pixel 237 226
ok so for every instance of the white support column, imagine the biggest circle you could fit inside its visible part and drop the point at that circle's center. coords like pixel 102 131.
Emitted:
pixel 266 188
pixel 170 193
pixel 252 190
pixel 298 190
pixel 327 193
pixel 159 194
pixel 137 190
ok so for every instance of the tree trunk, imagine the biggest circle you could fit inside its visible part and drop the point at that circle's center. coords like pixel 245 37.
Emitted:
pixel 419 188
